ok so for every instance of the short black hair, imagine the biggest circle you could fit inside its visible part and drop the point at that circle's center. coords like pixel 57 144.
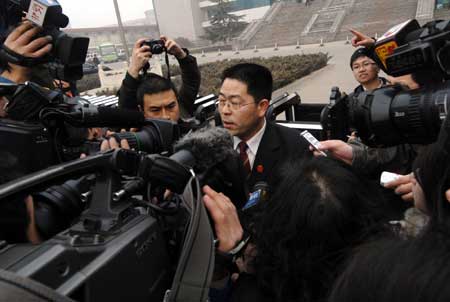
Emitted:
pixel 360 52
pixel 258 79
pixel 152 84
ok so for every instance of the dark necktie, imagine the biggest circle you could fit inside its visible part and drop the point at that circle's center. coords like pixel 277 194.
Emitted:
pixel 244 157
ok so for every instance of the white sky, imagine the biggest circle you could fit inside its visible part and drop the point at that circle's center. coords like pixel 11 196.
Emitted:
pixel 96 13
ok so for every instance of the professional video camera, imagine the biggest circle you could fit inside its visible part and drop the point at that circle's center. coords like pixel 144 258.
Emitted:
pixel 123 247
pixel 68 54
pixel 393 115
pixel 45 127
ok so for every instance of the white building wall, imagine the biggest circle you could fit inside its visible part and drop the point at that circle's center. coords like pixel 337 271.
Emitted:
pixel 177 18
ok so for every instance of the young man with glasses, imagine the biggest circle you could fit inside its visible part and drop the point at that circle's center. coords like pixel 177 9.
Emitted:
pixel 365 71
pixel 243 101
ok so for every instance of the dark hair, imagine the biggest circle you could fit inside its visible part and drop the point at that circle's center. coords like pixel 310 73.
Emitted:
pixel 321 209
pixel 360 52
pixel 152 84
pixel 258 79
pixel 413 270
pixel 432 170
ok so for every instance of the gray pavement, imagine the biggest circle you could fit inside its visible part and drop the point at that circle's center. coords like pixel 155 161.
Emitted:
pixel 314 88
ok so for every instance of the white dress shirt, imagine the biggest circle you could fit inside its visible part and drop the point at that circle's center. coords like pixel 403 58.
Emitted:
pixel 253 144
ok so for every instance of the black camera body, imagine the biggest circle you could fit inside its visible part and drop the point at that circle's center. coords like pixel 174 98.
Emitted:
pixel 131 264
pixel 156 46
pixel 393 115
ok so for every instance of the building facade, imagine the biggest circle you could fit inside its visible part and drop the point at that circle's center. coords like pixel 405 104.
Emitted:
pixel 189 18
pixel 110 34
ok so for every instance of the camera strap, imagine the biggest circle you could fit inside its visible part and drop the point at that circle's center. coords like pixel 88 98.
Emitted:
pixel 196 265
pixel 13 57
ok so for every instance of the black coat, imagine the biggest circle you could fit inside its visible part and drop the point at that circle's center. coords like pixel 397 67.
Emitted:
pixel 278 145
pixel 190 76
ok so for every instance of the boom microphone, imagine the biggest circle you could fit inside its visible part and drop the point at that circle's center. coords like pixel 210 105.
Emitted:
pixel 209 151
pixel 207 146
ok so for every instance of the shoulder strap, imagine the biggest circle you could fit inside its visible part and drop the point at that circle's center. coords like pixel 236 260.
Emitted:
pixel 196 265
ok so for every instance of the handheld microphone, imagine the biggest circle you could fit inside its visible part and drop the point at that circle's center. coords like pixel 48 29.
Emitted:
pixel 393 38
pixel 45 13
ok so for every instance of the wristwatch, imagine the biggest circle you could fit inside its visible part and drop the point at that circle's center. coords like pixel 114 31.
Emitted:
pixel 240 245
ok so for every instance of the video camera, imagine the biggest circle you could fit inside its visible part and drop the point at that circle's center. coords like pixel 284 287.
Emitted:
pixel 122 235
pixel 69 52
pixel 45 127
pixel 394 115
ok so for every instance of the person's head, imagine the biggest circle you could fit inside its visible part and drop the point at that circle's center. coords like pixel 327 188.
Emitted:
pixel 157 98
pixel 364 68
pixel 319 211
pixel 244 98
pixel 431 170
pixel 410 270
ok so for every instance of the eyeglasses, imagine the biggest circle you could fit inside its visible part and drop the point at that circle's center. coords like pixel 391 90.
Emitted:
pixel 233 105
pixel 364 65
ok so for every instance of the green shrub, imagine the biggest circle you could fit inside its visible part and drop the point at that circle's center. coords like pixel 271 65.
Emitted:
pixel 285 70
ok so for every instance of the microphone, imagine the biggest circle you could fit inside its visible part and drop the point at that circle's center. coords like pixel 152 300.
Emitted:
pixel 204 148
pixel 45 13
pixel 394 38
pixel 210 152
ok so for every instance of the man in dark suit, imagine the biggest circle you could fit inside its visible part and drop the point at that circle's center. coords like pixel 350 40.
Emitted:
pixel 263 146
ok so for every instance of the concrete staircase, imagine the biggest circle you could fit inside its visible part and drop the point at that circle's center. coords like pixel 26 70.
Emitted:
pixel 286 25
pixel 376 16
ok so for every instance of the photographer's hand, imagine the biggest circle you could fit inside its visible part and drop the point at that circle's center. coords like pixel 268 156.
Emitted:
pixel 140 56
pixel 21 41
pixel 111 143
pixel 336 148
pixel 403 186
pixel 173 48
pixel 360 39
pixel 226 221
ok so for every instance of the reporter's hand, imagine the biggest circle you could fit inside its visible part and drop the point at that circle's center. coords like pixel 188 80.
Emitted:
pixel 447 195
pixel 173 48
pixel 402 186
pixel 111 143
pixel 140 56
pixel 226 221
pixel 21 41
pixel 360 39
pixel 336 148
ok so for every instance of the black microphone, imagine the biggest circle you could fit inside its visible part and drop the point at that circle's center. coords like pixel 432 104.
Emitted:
pixel 204 148
pixel 210 152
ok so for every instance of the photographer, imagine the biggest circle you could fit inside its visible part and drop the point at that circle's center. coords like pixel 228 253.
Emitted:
pixel 154 95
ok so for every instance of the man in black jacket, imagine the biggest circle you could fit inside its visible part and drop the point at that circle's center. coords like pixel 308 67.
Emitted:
pixel 263 146
pixel 155 95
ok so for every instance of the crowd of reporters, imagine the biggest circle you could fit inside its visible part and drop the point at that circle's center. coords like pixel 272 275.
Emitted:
pixel 326 231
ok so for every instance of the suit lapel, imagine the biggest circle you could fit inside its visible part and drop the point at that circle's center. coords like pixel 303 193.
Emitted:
pixel 266 157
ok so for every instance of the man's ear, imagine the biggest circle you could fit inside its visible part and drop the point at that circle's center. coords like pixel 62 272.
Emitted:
pixel 263 105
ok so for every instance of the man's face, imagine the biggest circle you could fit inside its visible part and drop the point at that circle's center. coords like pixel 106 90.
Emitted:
pixel 365 70
pixel 162 105
pixel 240 114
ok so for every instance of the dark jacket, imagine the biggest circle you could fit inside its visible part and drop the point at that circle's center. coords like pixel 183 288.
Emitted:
pixel 190 76
pixel 278 144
